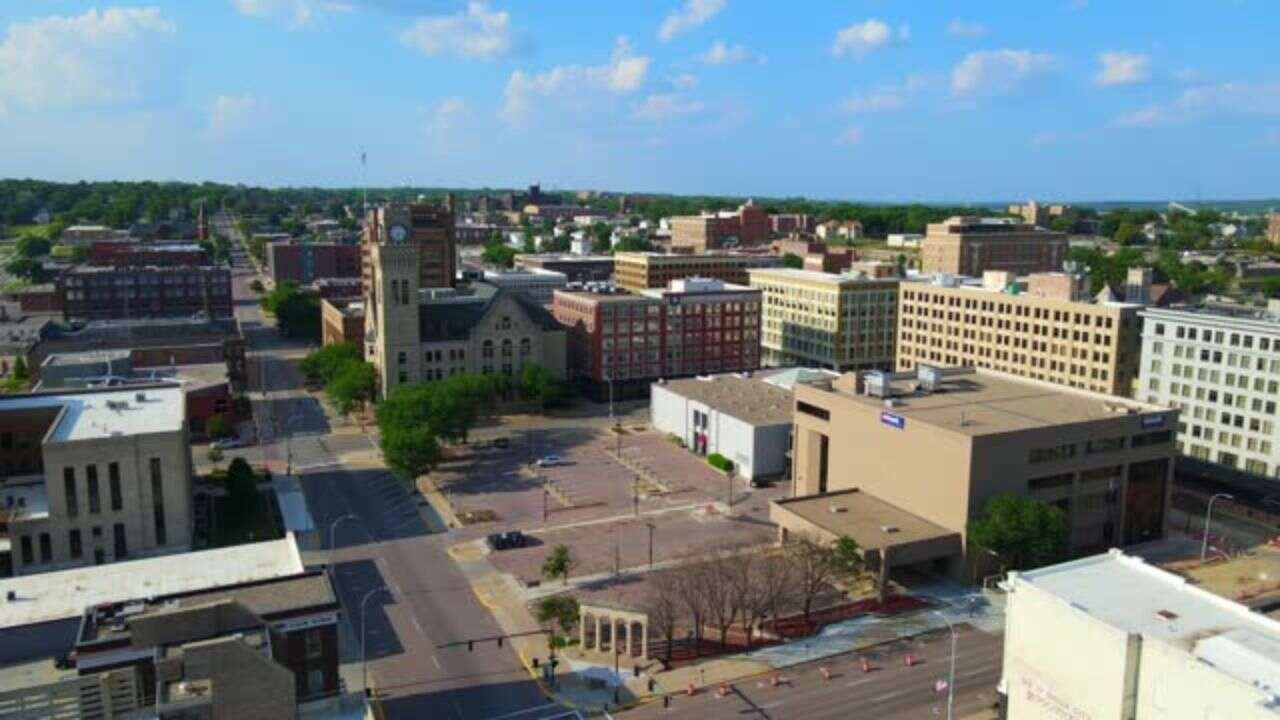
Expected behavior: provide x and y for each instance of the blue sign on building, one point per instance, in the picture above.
(894, 421)
(1150, 422)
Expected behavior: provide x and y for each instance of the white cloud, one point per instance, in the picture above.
(691, 15)
(861, 38)
(446, 117)
(992, 72)
(1122, 68)
(97, 58)
(885, 98)
(235, 113)
(623, 74)
(684, 81)
(851, 135)
(478, 33)
(722, 53)
(298, 13)
(661, 106)
(1239, 99)
(960, 27)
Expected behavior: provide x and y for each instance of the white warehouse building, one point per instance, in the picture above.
(1110, 636)
(745, 418)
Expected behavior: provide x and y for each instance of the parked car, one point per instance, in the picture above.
(227, 444)
(507, 540)
(550, 461)
(502, 443)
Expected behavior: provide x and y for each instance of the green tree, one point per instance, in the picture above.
(847, 557)
(352, 385)
(20, 371)
(256, 286)
(498, 254)
(1127, 234)
(32, 246)
(792, 260)
(216, 426)
(297, 312)
(322, 365)
(558, 564)
(558, 610)
(25, 267)
(409, 451)
(633, 243)
(1271, 287)
(242, 488)
(537, 384)
(1023, 532)
(601, 238)
(214, 455)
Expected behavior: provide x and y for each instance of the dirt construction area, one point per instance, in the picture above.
(615, 496)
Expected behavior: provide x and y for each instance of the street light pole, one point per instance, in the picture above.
(1208, 514)
(951, 679)
(364, 659)
(651, 528)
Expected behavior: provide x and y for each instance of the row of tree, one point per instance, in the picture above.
(297, 312)
(1109, 270)
(348, 380)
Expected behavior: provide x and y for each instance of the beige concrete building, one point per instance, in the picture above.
(967, 245)
(93, 477)
(1110, 636)
(840, 322)
(1273, 227)
(1040, 327)
(636, 271)
(938, 444)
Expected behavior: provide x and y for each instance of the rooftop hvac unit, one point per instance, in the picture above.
(888, 528)
(837, 509)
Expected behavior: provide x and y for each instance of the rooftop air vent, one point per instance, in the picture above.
(11, 596)
(889, 529)
(837, 509)
(140, 397)
(1167, 615)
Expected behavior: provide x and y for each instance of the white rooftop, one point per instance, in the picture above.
(1128, 594)
(95, 415)
(45, 597)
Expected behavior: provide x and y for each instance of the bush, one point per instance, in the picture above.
(720, 462)
(217, 428)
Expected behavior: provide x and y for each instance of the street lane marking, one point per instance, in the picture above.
(419, 627)
(434, 659)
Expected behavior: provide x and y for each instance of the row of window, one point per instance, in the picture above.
(75, 546)
(1066, 451)
(1219, 337)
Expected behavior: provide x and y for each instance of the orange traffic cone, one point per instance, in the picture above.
(910, 661)
(866, 666)
(723, 690)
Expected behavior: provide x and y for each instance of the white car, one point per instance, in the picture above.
(227, 444)
(550, 461)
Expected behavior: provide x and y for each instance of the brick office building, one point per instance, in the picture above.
(93, 293)
(636, 271)
(576, 268)
(966, 245)
(695, 326)
(748, 226)
(303, 262)
(126, 254)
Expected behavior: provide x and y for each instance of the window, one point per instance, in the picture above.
(121, 546)
(27, 556)
(1050, 482)
(1104, 445)
(1051, 454)
(1154, 438)
(315, 643)
(77, 549)
(815, 411)
(46, 548)
(69, 490)
(95, 499)
(157, 501)
(113, 487)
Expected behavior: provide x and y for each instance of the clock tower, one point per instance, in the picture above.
(392, 278)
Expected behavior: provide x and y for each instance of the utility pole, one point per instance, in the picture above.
(651, 529)
(635, 495)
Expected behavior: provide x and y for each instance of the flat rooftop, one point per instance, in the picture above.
(749, 399)
(986, 402)
(93, 415)
(816, 276)
(872, 523)
(45, 597)
(1130, 595)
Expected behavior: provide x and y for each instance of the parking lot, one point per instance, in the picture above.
(607, 511)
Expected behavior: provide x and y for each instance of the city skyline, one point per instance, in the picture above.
(874, 100)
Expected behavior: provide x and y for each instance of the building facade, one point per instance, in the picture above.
(1110, 636)
(748, 226)
(636, 271)
(965, 245)
(132, 254)
(696, 326)
(95, 293)
(1223, 373)
(304, 262)
(536, 284)
(576, 268)
(838, 322)
(341, 321)
(95, 476)
(427, 228)
(939, 443)
(999, 324)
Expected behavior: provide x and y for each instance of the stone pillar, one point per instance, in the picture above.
(644, 641)
(627, 647)
(582, 630)
(596, 644)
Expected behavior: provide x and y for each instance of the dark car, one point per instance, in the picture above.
(497, 541)
(507, 540)
(515, 538)
(502, 443)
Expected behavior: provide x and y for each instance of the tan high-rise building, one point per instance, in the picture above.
(904, 465)
(428, 227)
(817, 319)
(636, 271)
(966, 245)
(748, 226)
(1040, 329)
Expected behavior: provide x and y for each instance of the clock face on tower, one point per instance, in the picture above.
(399, 233)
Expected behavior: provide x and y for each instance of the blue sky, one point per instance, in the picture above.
(882, 100)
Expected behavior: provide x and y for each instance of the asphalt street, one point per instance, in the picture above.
(414, 596)
(889, 690)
